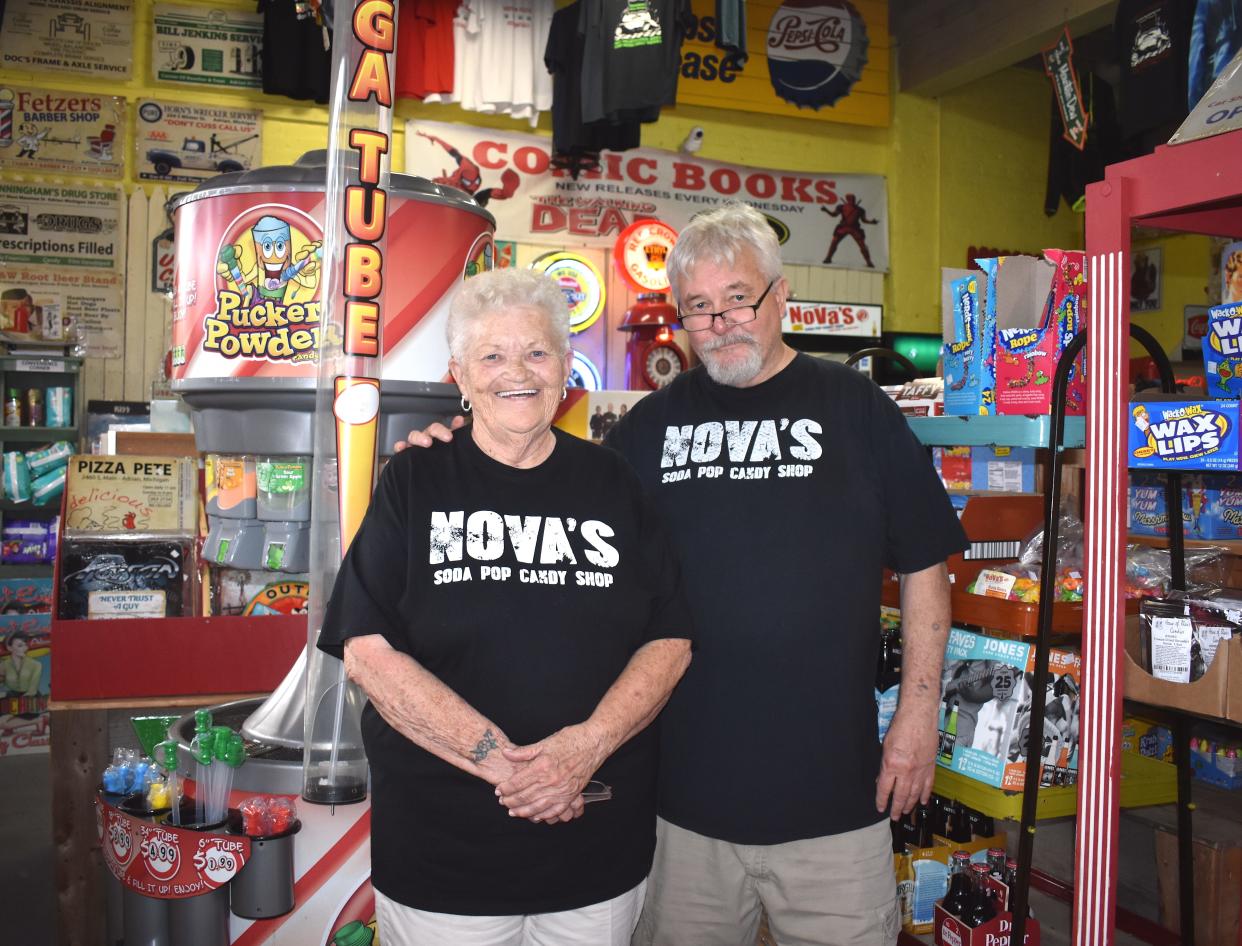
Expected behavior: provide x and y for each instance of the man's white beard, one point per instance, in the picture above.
(741, 365)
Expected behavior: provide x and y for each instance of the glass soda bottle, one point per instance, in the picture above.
(958, 897)
(996, 862)
(981, 907)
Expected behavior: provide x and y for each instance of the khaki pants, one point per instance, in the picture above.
(832, 891)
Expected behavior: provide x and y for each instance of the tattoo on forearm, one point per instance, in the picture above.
(484, 746)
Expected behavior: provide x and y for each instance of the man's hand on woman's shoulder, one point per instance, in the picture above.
(430, 434)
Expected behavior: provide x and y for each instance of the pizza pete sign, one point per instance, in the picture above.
(832, 318)
(838, 220)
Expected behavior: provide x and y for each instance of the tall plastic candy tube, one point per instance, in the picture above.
(334, 766)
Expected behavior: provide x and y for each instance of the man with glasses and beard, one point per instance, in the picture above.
(789, 484)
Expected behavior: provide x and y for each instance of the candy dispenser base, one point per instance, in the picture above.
(201, 920)
(264, 886)
(145, 920)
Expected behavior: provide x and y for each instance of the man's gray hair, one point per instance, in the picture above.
(500, 289)
(720, 236)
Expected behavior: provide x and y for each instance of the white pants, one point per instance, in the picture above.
(610, 923)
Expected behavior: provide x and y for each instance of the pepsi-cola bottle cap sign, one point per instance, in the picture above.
(816, 50)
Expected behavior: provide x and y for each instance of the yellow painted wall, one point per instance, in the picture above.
(1186, 264)
(994, 166)
(965, 169)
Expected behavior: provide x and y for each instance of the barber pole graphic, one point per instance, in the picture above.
(6, 117)
(1104, 608)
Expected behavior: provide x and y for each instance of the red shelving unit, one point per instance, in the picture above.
(156, 658)
(1194, 188)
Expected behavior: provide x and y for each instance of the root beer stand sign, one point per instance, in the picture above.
(166, 861)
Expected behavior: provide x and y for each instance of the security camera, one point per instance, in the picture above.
(694, 140)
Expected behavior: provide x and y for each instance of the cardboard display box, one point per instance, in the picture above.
(996, 469)
(1040, 307)
(1211, 505)
(1148, 738)
(950, 931)
(985, 711)
(1217, 693)
(1182, 434)
(923, 877)
(1222, 351)
(969, 324)
(1218, 887)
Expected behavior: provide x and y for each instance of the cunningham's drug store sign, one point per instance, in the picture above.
(1184, 435)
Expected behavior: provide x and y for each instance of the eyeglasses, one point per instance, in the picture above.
(596, 791)
(738, 315)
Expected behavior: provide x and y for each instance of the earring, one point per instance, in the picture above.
(564, 392)
(465, 405)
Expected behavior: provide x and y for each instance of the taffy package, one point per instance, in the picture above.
(1040, 307)
(1222, 351)
(1183, 435)
(969, 339)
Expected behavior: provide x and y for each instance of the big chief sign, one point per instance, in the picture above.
(838, 220)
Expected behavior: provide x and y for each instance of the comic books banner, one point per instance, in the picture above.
(838, 220)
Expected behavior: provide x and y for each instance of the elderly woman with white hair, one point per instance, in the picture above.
(514, 614)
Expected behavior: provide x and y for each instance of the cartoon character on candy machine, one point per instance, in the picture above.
(278, 263)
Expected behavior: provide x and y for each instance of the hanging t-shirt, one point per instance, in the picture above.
(424, 48)
(1215, 37)
(1153, 38)
(296, 61)
(1071, 170)
(466, 62)
(527, 592)
(731, 28)
(785, 501)
(575, 143)
(632, 57)
(513, 36)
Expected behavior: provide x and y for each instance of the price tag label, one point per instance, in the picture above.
(162, 857)
(218, 860)
(120, 841)
(40, 364)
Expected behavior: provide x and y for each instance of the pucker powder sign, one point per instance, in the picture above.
(267, 287)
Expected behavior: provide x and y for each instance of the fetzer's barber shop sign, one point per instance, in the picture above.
(838, 220)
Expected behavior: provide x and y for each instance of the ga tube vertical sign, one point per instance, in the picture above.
(347, 399)
(356, 394)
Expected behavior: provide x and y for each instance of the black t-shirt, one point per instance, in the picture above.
(785, 502)
(632, 57)
(571, 137)
(295, 61)
(1153, 47)
(1071, 170)
(526, 592)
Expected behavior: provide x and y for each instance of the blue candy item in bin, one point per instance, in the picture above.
(1183, 435)
(1222, 351)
